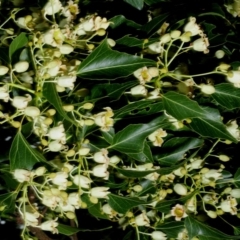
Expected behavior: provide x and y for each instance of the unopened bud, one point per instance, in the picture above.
(175, 34)
(219, 54)
(87, 106)
(16, 124)
(21, 66)
(101, 32)
(224, 158)
(68, 108)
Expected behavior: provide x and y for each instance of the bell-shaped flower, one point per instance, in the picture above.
(229, 205)
(233, 129)
(74, 199)
(156, 137)
(57, 133)
(139, 91)
(21, 102)
(99, 192)
(50, 225)
(32, 111)
(60, 179)
(55, 146)
(22, 175)
(4, 93)
(31, 219)
(201, 45)
(101, 157)
(211, 176)
(192, 27)
(82, 181)
(66, 81)
(178, 212)
(52, 7)
(104, 119)
(101, 171)
(142, 220)
(158, 235)
(3, 70)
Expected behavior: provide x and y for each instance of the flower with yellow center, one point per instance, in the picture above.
(178, 212)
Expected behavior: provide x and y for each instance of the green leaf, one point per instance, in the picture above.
(227, 95)
(171, 228)
(155, 24)
(22, 155)
(67, 230)
(131, 138)
(237, 178)
(211, 126)
(151, 2)
(174, 149)
(104, 63)
(50, 93)
(145, 107)
(123, 204)
(118, 20)
(196, 228)
(109, 135)
(7, 202)
(138, 4)
(19, 42)
(131, 42)
(181, 107)
(96, 211)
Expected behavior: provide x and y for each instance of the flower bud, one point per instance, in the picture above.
(224, 158)
(68, 108)
(233, 76)
(21, 102)
(99, 192)
(115, 159)
(165, 38)
(111, 42)
(21, 66)
(101, 32)
(235, 193)
(207, 89)
(180, 189)
(101, 171)
(139, 90)
(82, 181)
(219, 54)
(66, 49)
(186, 37)
(32, 111)
(137, 188)
(83, 151)
(40, 171)
(224, 67)
(212, 214)
(16, 124)
(158, 235)
(22, 175)
(175, 34)
(87, 106)
(3, 70)
(55, 146)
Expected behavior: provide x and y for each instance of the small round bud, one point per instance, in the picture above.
(70, 215)
(207, 89)
(93, 200)
(101, 32)
(21, 66)
(224, 158)
(175, 34)
(51, 112)
(87, 106)
(91, 46)
(137, 188)
(16, 124)
(83, 151)
(66, 49)
(219, 54)
(89, 122)
(212, 214)
(111, 42)
(68, 108)
(3, 70)
(48, 121)
(32, 111)
(186, 37)
(180, 189)
(70, 153)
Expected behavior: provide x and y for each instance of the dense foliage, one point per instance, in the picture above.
(121, 111)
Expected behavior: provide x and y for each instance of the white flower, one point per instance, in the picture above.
(22, 175)
(66, 207)
(156, 137)
(195, 164)
(142, 220)
(74, 200)
(158, 235)
(191, 205)
(53, 37)
(32, 111)
(50, 226)
(57, 133)
(156, 47)
(31, 219)
(152, 176)
(82, 181)
(139, 90)
(40, 171)
(100, 23)
(52, 7)
(55, 146)
(180, 189)
(101, 157)
(232, 128)
(211, 176)
(99, 192)
(22, 22)
(146, 74)
(3, 70)
(21, 66)
(229, 205)
(60, 179)
(66, 49)
(178, 212)
(108, 210)
(51, 198)
(207, 89)
(192, 27)
(183, 235)
(104, 119)
(4, 93)
(234, 76)
(66, 81)
(52, 67)
(235, 193)
(201, 45)
(101, 171)
(21, 102)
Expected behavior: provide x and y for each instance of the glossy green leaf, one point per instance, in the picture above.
(50, 93)
(237, 178)
(155, 24)
(109, 135)
(123, 204)
(211, 125)
(151, 2)
(67, 230)
(96, 211)
(118, 20)
(22, 155)
(171, 228)
(130, 42)
(19, 42)
(227, 95)
(174, 149)
(7, 202)
(104, 63)
(196, 228)
(181, 107)
(138, 4)
(131, 138)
